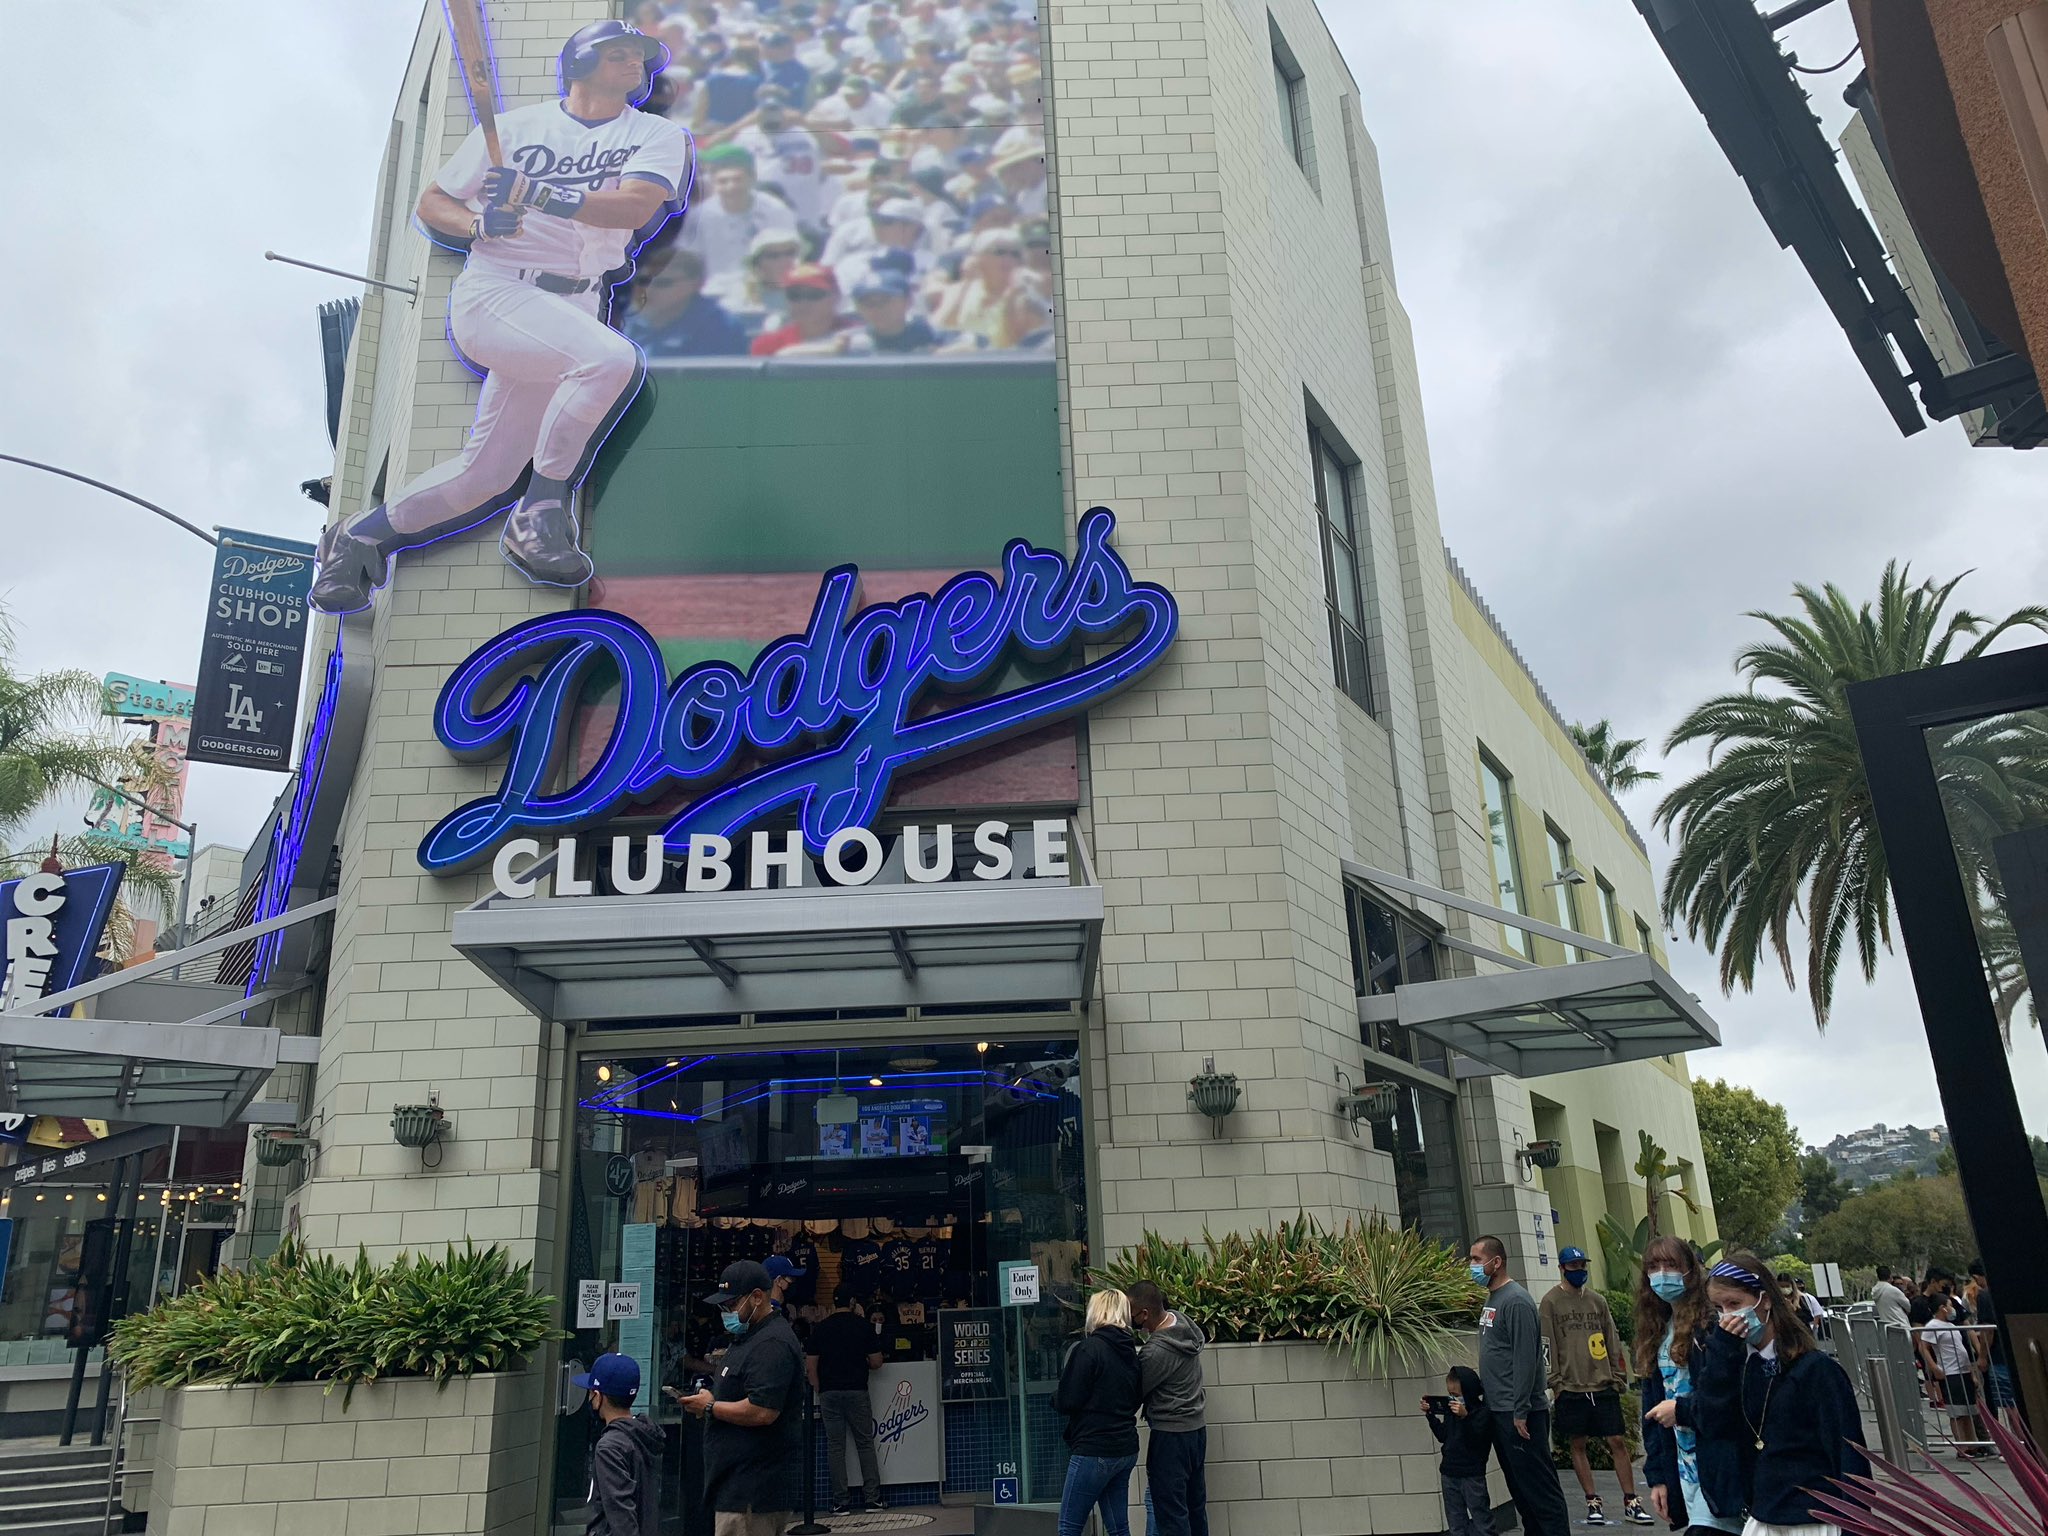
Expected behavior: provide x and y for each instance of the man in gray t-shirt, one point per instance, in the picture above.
(1511, 1372)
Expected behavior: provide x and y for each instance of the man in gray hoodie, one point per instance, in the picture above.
(1511, 1371)
(1170, 1378)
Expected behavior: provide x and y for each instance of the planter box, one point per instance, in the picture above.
(1302, 1445)
(408, 1458)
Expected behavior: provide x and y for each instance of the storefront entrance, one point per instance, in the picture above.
(930, 1186)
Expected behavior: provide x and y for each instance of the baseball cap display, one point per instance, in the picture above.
(616, 1376)
(740, 1279)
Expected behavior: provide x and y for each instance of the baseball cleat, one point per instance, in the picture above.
(540, 541)
(350, 569)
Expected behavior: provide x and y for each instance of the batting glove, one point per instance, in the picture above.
(504, 187)
(497, 223)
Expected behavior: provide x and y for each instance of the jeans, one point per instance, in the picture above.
(1093, 1481)
(1176, 1482)
(850, 1413)
(1468, 1509)
(1532, 1480)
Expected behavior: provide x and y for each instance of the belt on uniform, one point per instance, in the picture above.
(547, 282)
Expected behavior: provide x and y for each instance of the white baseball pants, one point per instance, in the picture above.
(555, 373)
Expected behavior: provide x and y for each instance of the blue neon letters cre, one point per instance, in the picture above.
(839, 695)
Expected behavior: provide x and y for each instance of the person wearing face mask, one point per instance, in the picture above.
(1695, 1480)
(624, 1463)
(1789, 1408)
(1588, 1374)
(1511, 1370)
(754, 1443)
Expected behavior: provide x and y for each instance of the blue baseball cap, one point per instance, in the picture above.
(1571, 1256)
(616, 1376)
(780, 1268)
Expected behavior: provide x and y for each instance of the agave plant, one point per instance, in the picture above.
(1899, 1504)
(302, 1317)
(1381, 1295)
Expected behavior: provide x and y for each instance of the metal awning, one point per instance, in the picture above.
(1529, 1020)
(675, 954)
(187, 1053)
(1555, 1018)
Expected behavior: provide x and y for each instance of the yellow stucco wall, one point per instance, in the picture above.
(1552, 785)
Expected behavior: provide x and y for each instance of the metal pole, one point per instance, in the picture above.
(185, 894)
(79, 1352)
(1784, 16)
(113, 490)
(163, 1226)
(117, 1294)
(411, 293)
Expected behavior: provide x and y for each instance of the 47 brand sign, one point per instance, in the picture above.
(822, 722)
(247, 703)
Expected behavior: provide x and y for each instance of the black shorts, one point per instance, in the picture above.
(1587, 1413)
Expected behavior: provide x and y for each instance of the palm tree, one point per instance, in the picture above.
(1779, 826)
(52, 744)
(1613, 757)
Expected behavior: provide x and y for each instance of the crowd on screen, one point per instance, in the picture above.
(870, 180)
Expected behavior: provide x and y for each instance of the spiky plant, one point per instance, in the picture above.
(1613, 757)
(1383, 1296)
(1896, 1503)
(302, 1317)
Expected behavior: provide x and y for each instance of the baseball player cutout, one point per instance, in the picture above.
(584, 176)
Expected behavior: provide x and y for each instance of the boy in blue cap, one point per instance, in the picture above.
(623, 1463)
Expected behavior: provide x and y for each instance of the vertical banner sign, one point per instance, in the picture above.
(246, 704)
(971, 1363)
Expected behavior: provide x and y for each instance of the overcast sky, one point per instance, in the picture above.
(1643, 420)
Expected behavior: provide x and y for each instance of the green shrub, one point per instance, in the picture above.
(295, 1317)
(1382, 1295)
(1789, 1266)
(1622, 1303)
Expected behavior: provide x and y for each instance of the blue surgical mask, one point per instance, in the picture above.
(1752, 1325)
(1478, 1274)
(734, 1323)
(1575, 1277)
(1667, 1284)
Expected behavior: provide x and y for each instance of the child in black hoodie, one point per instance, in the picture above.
(1464, 1426)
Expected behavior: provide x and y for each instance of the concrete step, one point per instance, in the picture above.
(32, 1458)
(79, 1487)
(68, 1517)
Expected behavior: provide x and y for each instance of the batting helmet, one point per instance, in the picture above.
(579, 54)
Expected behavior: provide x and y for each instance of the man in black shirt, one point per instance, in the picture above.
(754, 1443)
(842, 1352)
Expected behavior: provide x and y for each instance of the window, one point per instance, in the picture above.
(1343, 587)
(1388, 950)
(1290, 90)
(1643, 936)
(1610, 912)
(1507, 860)
(1566, 893)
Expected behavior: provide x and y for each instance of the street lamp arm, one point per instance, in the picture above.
(114, 490)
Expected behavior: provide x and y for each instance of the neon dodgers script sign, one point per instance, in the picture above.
(826, 714)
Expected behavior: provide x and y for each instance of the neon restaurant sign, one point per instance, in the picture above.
(824, 720)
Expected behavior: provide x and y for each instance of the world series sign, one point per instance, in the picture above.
(818, 727)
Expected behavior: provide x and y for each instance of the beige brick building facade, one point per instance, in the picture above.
(1226, 297)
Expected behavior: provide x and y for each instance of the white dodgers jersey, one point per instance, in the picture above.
(549, 145)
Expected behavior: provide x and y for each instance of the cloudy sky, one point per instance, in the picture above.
(1644, 422)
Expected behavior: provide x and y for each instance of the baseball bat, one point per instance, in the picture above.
(473, 60)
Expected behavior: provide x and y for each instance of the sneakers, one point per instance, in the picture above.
(350, 569)
(540, 541)
(1596, 1514)
(1634, 1513)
